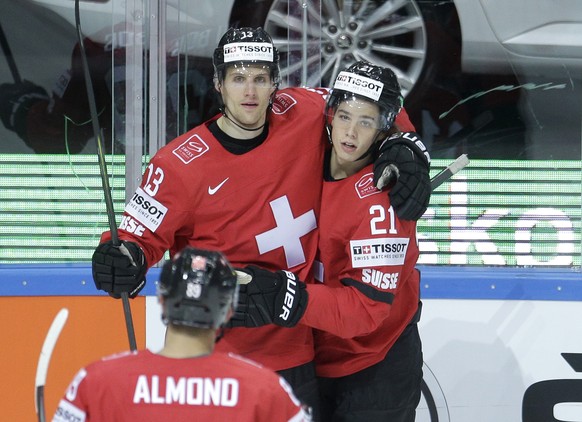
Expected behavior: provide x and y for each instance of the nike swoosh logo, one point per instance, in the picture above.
(212, 191)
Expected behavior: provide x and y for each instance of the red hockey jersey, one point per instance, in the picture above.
(257, 208)
(370, 255)
(143, 386)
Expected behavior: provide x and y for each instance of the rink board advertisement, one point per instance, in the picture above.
(493, 339)
(492, 213)
(488, 359)
(94, 328)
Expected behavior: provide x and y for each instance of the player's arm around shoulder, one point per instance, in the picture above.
(313, 98)
(403, 121)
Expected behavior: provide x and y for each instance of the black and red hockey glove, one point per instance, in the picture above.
(269, 297)
(118, 269)
(403, 166)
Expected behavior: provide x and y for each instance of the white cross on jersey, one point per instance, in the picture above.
(287, 233)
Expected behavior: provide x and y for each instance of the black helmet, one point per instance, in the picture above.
(199, 289)
(246, 45)
(373, 83)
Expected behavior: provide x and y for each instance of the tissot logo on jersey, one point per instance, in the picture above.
(358, 84)
(259, 51)
(146, 210)
(192, 391)
(365, 186)
(378, 252)
(379, 279)
(191, 148)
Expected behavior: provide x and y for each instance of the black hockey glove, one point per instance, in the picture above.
(403, 166)
(270, 297)
(118, 269)
(15, 101)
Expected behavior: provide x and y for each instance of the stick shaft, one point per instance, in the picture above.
(103, 171)
(39, 401)
(128, 321)
(97, 132)
(9, 57)
(460, 162)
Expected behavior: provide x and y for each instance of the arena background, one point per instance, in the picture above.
(501, 243)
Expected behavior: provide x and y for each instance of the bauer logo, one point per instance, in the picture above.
(378, 252)
(359, 85)
(191, 148)
(365, 186)
(146, 210)
(248, 51)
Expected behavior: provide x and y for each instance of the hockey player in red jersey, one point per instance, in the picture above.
(246, 182)
(186, 380)
(371, 368)
(368, 349)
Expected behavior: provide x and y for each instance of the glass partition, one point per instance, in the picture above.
(481, 78)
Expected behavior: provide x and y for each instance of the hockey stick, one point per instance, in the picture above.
(449, 171)
(44, 359)
(103, 171)
(9, 57)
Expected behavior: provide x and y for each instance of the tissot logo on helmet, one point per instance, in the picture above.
(360, 85)
(246, 45)
(248, 51)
